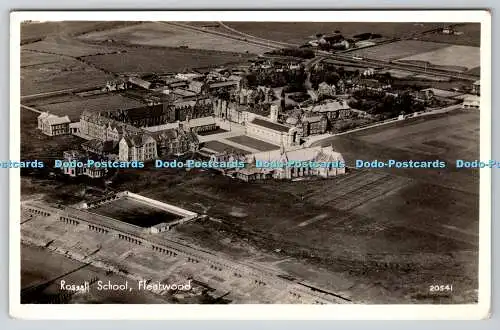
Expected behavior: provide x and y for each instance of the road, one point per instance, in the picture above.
(30, 108)
(270, 44)
(246, 35)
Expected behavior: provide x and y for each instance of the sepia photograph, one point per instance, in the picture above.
(246, 160)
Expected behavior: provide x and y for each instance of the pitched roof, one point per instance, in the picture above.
(55, 120)
(223, 83)
(137, 140)
(329, 107)
(320, 154)
(101, 146)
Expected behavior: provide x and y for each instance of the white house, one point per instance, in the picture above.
(53, 125)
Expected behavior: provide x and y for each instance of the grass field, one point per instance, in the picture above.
(160, 60)
(135, 212)
(397, 50)
(466, 57)
(100, 103)
(68, 47)
(67, 73)
(29, 58)
(34, 31)
(253, 143)
(300, 32)
(164, 35)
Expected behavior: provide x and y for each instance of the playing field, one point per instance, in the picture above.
(465, 57)
(135, 212)
(162, 34)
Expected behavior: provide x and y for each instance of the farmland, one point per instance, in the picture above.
(68, 47)
(29, 58)
(163, 60)
(397, 50)
(300, 32)
(160, 34)
(460, 58)
(67, 73)
(100, 103)
(36, 31)
(470, 35)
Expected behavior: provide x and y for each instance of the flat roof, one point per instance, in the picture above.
(270, 125)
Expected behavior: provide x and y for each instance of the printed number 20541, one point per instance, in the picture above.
(441, 288)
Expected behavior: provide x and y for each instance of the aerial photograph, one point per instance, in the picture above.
(241, 162)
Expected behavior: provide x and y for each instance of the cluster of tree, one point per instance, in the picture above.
(328, 76)
(380, 103)
(294, 52)
(385, 78)
(299, 97)
(293, 78)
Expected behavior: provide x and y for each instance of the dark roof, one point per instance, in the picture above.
(101, 146)
(270, 125)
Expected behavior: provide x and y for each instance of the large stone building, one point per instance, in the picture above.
(272, 132)
(159, 114)
(93, 125)
(134, 143)
(332, 109)
(74, 171)
(53, 125)
(139, 147)
(175, 141)
(327, 163)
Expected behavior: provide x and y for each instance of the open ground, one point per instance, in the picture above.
(37, 31)
(461, 58)
(166, 35)
(163, 60)
(66, 73)
(399, 49)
